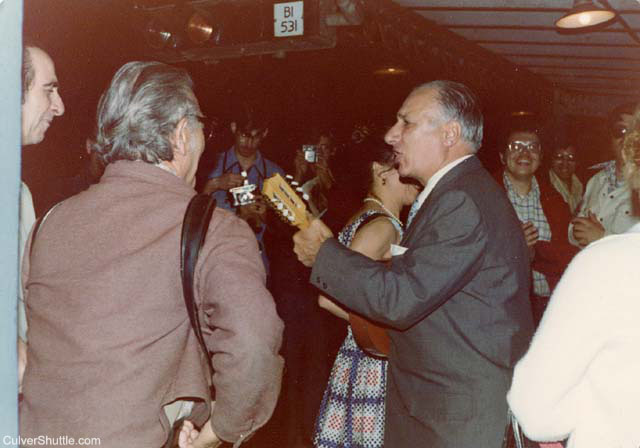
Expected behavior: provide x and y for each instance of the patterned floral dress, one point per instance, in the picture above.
(352, 410)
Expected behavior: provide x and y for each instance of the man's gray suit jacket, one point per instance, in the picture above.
(457, 305)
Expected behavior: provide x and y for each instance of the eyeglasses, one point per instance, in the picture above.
(565, 157)
(253, 135)
(618, 131)
(518, 147)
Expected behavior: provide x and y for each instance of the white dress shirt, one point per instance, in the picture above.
(433, 181)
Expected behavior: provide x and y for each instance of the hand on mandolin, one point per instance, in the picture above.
(307, 242)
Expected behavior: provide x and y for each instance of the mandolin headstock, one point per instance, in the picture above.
(284, 199)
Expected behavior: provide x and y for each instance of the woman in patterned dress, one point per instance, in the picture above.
(352, 409)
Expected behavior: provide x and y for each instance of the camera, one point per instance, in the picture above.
(309, 152)
(243, 195)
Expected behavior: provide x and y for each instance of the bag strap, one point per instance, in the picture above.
(194, 229)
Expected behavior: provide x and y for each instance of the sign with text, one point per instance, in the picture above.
(288, 19)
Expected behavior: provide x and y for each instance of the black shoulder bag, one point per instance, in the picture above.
(194, 229)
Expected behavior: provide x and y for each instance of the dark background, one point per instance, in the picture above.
(90, 39)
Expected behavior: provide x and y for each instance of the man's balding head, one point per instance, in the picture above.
(41, 101)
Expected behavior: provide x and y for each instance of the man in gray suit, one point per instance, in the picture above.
(456, 301)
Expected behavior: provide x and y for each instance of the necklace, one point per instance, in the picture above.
(376, 201)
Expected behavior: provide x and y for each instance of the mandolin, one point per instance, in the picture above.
(285, 200)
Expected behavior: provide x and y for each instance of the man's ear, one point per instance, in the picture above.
(233, 126)
(502, 158)
(265, 132)
(180, 137)
(452, 133)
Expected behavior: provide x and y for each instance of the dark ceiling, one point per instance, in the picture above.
(336, 87)
(602, 64)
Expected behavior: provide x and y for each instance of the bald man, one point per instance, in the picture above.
(41, 102)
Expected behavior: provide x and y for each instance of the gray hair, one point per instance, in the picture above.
(139, 111)
(459, 103)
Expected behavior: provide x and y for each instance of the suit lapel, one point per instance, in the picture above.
(458, 173)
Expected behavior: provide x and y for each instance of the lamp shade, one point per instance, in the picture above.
(584, 14)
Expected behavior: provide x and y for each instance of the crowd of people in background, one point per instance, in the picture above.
(455, 266)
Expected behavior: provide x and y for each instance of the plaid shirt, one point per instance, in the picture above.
(529, 208)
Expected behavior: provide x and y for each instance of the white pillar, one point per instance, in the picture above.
(10, 82)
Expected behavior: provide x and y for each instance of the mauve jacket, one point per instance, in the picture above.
(110, 341)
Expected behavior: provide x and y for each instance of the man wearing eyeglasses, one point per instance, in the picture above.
(112, 353)
(543, 213)
(244, 164)
(606, 208)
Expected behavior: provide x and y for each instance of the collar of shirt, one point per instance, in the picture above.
(231, 160)
(534, 193)
(433, 180)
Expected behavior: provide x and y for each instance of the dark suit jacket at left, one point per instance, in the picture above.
(457, 303)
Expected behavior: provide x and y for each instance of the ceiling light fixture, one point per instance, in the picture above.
(390, 70)
(585, 14)
(199, 27)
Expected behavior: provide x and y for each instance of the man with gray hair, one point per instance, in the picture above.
(455, 295)
(111, 347)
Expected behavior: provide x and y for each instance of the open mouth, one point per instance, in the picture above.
(397, 158)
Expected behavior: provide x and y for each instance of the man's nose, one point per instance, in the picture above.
(57, 106)
(392, 135)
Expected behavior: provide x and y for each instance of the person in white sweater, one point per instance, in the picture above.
(580, 377)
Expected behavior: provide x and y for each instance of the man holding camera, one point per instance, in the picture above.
(244, 165)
